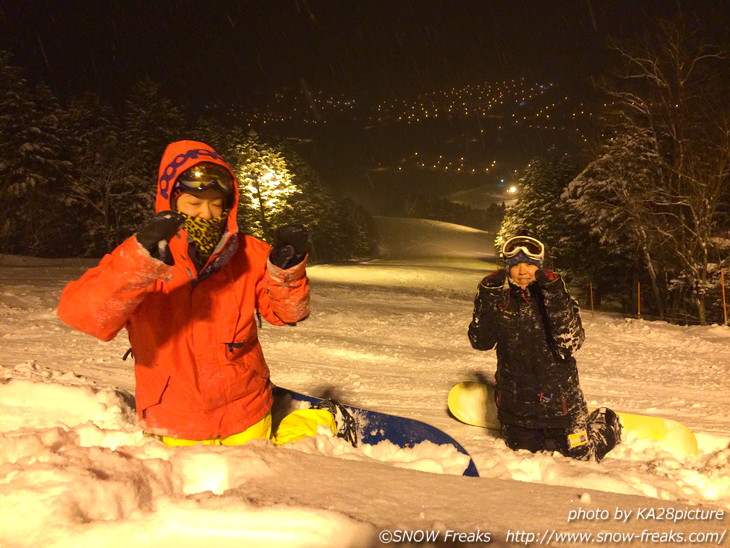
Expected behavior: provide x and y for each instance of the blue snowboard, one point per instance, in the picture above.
(400, 431)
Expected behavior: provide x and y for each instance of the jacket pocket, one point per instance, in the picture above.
(239, 372)
(153, 398)
(245, 354)
(234, 350)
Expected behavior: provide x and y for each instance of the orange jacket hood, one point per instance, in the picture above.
(178, 157)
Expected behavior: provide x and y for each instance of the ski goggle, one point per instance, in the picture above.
(531, 247)
(204, 176)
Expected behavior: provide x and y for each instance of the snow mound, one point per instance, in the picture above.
(73, 459)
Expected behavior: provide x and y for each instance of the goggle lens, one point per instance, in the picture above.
(204, 176)
(530, 246)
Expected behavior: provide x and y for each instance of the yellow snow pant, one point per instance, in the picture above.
(295, 426)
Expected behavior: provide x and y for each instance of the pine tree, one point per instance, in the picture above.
(615, 198)
(32, 162)
(356, 235)
(149, 123)
(98, 192)
(539, 208)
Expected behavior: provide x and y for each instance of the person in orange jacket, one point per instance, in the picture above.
(186, 287)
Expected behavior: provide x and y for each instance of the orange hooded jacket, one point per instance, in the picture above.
(200, 371)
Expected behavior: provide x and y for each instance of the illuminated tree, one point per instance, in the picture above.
(266, 186)
(277, 187)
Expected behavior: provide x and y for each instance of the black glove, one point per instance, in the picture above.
(541, 278)
(495, 279)
(290, 246)
(163, 226)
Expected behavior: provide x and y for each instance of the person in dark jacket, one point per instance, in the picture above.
(528, 314)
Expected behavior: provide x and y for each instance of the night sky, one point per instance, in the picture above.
(228, 51)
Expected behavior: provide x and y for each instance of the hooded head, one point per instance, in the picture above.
(175, 172)
(195, 169)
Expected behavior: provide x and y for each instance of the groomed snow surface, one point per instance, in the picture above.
(388, 335)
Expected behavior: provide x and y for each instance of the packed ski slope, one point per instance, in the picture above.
(388, 335)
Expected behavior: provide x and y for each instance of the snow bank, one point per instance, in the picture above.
(75, 470)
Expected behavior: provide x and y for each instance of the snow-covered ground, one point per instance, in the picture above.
(386, 335)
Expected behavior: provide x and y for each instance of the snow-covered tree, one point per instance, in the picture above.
(662, 180)
(99, 191)
(115, 160)
(539, 209)
(34, 169)
(149, 122)
(618, 202)
(278, 187)
(339, 229)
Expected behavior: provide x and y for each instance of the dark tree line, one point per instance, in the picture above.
(77, 179)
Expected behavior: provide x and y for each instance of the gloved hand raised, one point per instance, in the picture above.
(543, 279)
(163, 226)
(290, 246)
(496, 279)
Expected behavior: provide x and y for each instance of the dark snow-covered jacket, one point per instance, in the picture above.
(536, 331)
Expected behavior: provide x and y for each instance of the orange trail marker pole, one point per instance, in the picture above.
(590, 289)
(724, 298)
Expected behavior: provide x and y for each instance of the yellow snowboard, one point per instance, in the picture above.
(473, 403)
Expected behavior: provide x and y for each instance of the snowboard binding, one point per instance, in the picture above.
(346, 423)
(605, 431)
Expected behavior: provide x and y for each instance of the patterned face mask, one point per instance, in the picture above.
(205, 233)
